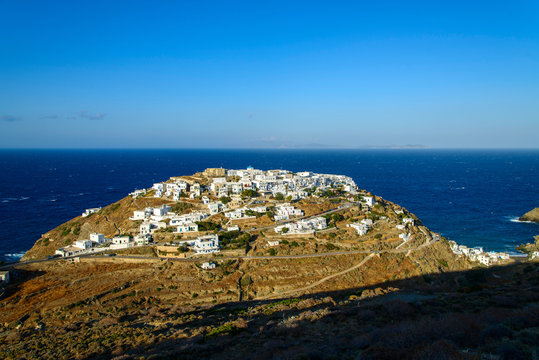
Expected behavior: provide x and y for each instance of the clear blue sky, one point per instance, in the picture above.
(269, 73)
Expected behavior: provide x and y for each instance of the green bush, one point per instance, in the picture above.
(225, 199)
(249, 193)
(207, 226)
(443, 262)
(223, 329)
(330, 247)
(181, 206)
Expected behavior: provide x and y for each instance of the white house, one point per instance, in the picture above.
(408, 220)
(405, 236)
(369, 200)
(119, 240)
(97, 238)
(274, 242)
(207, 244)
(285, 211)
(139, 215)
(400, 226)
(215, 207)
(205, 200)
(189, 227)
(361, 229)
(143, 240)
(195, 190)
(208, 265)
(304, 226)
(83, 244)
(161, 211)
(91, 211)
(68, 251)
(138, 193)
(233, 228)
(159, 189)
(187, 218)
(203, 244)
(145, 228)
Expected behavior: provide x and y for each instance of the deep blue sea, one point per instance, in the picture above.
(470, 196)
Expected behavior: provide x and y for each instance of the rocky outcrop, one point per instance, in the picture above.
(531, 216)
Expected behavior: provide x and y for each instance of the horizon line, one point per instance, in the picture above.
(273, 148)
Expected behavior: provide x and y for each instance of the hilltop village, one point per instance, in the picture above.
(217, 263)
(219, 210)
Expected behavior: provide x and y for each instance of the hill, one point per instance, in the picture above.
(392, 290)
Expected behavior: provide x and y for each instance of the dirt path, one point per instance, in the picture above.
(285, 293)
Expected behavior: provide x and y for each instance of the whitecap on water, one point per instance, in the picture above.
(516, 220)
(14, 256)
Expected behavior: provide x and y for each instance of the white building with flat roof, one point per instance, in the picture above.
(90, 211)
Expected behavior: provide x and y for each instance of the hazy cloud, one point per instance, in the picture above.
(9, 118)
(86, 115)
(51, 117)
(250, 115)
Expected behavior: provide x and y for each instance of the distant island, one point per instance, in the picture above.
(223, 261)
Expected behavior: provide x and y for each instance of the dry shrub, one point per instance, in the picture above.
(505, 301)
(495, 333)
(241, 324)
(108, 321)
(398, 309)
(438, 350)
(307, 303)
(13, 336)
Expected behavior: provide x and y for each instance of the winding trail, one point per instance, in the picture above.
(285, 293)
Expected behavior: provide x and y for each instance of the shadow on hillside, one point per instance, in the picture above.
(483, 313)
(17, 278)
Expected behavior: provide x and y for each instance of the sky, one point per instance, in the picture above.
(293, 74)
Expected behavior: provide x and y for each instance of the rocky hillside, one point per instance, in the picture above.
(329, 294)
(110, 221)
(532, 215)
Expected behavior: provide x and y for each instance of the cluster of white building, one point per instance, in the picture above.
(285, 211)
(206, 244)
(90, 211)
(305, 226)
(268, 182)
(99, 243)
(284, 182)
(245, 213)
(155, 218)
(138, 192)
(176, 189)
(362, 227)
(477, 254)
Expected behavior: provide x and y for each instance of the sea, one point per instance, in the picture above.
(473, 197)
